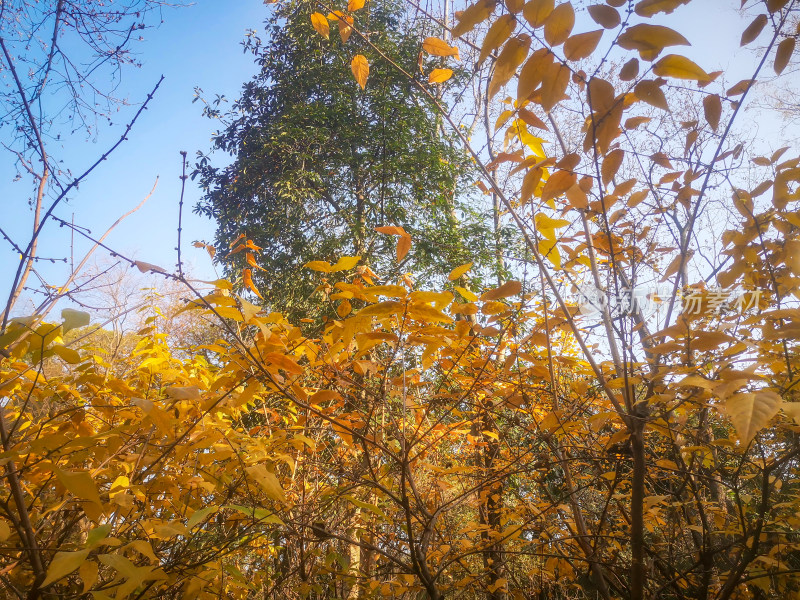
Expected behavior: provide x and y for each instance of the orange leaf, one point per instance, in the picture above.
(403, 246)
(509, 288)
(247, 278)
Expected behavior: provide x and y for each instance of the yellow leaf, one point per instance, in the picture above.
(79, 484)
(382, 309)
(390, 291)
(88, 573)
(360, 68)
(648, 8)
(537, 11)
(650, 40)
(354, 5)
(582, 45)
(472, 15)
(498, 33)
(345, 263)
(422, 312)
(440, 75)
(468, 295)
(119, 486)
(549, 249)
(783, 54)
(189, 392)
(751, 411)
(320, 23)
(559, 24)
(754, 29)
(511, 57)
(5, 531)
(547, 226)
(793, 410)
(605, 16)
(459, 271)
(345, 28)
(247, 279)
(509, 288)
(268, 481)
(679, 67)
(318, 265)
(403, 246)
(67, 354)
(436, 47)
(63, 564)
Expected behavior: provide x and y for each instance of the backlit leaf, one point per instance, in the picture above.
(679, 67)
(649, 91)
(648, 8)
(247, 279)
(472, 15)
(345, 263)
(459, 271)
(403, 246)
(498, 33)
(582, 45)
(611, 164)
(604, 15)
(559, 24)
(537, 11)
(511, 57)
(360, 68)
(650, 40)
(318, 265)
(440, 75)
(320, 23)
(509, 288)
(751, 411)
(80, 484)
(436, 47)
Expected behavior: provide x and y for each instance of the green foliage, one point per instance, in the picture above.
(321, 163)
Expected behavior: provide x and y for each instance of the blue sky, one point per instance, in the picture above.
(198, 45)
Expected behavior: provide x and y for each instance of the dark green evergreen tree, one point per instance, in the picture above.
(319, 162)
